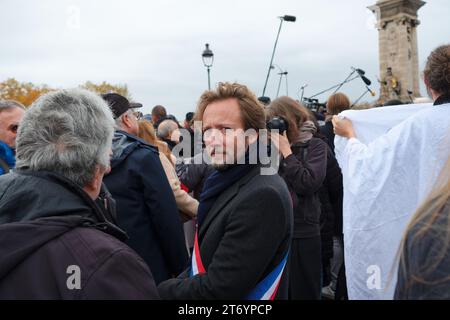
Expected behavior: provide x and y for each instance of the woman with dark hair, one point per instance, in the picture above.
(303, 167)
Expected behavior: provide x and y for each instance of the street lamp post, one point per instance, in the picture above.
(281, 74)
(283, 18)
(208, 59)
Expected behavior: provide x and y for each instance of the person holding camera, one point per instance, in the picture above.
(303, 167)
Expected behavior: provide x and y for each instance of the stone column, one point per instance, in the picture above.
(397, 26)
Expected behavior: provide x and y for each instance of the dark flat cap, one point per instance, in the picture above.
(119, 104)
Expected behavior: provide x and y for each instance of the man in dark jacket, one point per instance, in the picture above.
(58, 239)
(159, 113)
(244, 217)
(11, 112)
(146, 207)
(336, 103)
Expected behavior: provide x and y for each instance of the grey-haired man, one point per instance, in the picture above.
(57, 239)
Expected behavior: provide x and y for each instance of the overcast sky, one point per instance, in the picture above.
(155, 46)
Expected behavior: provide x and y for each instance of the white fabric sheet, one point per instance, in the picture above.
(387, 171)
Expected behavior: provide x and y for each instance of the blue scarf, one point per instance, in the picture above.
(216, 184)
(7, 154)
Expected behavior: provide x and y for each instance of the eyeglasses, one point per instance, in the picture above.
(137, 114)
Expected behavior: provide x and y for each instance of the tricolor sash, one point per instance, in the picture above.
(266, 289)
(196, 264)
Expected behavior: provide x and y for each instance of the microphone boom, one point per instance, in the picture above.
(289, 18)
(366, 81)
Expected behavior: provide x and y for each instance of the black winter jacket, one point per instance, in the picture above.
(146, 207)
(49, 227)
(244, 236)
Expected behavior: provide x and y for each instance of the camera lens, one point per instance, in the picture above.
(277, 123)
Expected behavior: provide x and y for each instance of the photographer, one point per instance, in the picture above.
(303, 167)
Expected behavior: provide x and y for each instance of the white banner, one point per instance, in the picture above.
(388, 171)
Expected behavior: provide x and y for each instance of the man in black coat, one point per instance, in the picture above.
(146, 207)
(11, 112)
(58, 239)
(244, 217)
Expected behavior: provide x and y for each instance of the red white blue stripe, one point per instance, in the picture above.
(266, 289)
(196, 264)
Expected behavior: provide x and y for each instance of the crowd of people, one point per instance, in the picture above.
(98, 201)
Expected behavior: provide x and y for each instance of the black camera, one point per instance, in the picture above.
(278, 123)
